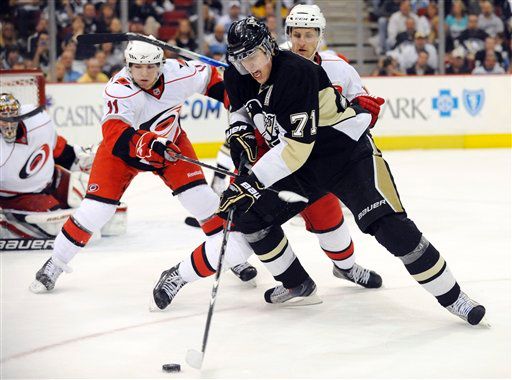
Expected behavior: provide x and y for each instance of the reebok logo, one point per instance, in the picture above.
(193, 174)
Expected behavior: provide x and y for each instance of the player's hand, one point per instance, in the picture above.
(152, 148)
(371, 104)
(242, 141)
(84, 157)
(243, 193)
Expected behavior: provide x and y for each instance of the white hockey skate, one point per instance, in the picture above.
(359, 275)
(47, 276)
(469, 310)
(166, 288)
(303, 294)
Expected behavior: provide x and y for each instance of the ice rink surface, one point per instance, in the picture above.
(96, 323)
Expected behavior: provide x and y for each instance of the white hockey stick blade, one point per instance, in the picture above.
(291, 197)
(194, 358)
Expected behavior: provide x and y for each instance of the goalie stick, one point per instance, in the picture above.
(99, 38)
(33, 244)
(14, 119)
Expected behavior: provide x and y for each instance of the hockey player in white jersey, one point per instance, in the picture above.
(140, 125)
(42, 176)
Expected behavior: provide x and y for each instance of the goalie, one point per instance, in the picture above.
(42, 176)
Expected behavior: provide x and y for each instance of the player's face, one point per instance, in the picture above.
(145, 75)
(304, 41)
(259, 65)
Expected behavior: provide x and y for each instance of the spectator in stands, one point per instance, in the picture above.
(12, 56)
(261, 9)
(41, 27)
(185, 37)
(421, 66)
(408, 55)
(64, 12)
(473, 37)
(105, 18)
(114, 56)
(234, 14)
(101, 57)
(209, 19)
(215, 6)
(271, 22)
(387, 67)
(93, 73)
(115, 26)
(83, 51)
(457, 20)
(41, 56)
(407, 36)
(9, 36)
(89, 18)
(136, 25)
(488, 21)
(19, 66)
(114, 70)
(66, 58)
(384, 11)
(216, 43)
(458, 64)
(433, 37)
(396, 22)
(489, 47)
(143, 9)
(490, 65)
(60, 72)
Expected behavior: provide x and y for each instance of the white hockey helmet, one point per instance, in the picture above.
(143, 53)
(305, 16)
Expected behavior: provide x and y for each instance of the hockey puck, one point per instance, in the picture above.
(172, 367)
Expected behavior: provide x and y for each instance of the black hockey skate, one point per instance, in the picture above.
(303, 294)
(47, 276)
(468, 310)
(245, 272)
(359, 275)
(167, 287)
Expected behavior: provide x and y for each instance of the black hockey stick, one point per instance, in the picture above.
(14, 119)
(287, 196)
(32, 244)
(100, 38)
(195, 358)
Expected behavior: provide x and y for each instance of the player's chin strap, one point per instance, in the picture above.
(287, 196)
(14, 119)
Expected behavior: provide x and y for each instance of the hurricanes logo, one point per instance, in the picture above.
(93, 187)
(164, 126)
(35, 162)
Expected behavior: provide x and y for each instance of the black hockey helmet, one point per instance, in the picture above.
(244, 37)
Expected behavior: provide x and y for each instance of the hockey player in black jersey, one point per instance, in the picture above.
(319, 143)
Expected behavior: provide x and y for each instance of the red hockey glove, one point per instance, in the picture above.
(152, 148)
(371, 104)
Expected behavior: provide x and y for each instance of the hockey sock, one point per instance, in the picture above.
(274, 251)
(338, 246)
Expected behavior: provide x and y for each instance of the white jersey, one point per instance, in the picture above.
(342, 75)
(155, 110)
(26, 166)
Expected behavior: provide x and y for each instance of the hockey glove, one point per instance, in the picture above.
(152, 148)
(371, 104)
(243, 193)
(84, 157)
(242, 141)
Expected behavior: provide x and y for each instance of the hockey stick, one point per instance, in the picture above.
(34, 244)
(195, 358)
(285, 195)
(99, 38)
(14, 119)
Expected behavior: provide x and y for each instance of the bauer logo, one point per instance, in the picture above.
(25, 244)
(93, 187)
(473, 101)
(372, 207)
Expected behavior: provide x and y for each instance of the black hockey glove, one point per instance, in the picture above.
(241, 140)
(243, 193)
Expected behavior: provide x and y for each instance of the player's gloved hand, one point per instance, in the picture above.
(84, 157)
(243, 193)
(241, 140)
(153, 148)
(371, 104)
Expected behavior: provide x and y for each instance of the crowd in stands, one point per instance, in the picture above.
(477, 37)
(477, 33)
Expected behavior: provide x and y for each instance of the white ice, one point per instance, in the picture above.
(96, 323)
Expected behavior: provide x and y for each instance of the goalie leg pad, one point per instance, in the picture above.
(77, 188)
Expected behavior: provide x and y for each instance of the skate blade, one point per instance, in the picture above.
(194, 358)
(484, 323)
(301, 301)
(251, 283)
(37, 287)
(152, 306)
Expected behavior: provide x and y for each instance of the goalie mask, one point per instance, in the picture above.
(247, 39)
(143, 53)
(9, 106)
(306, 16)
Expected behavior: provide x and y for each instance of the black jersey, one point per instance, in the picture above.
(290, 110)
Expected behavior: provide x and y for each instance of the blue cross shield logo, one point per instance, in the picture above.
(473, 101)
(445, 103)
